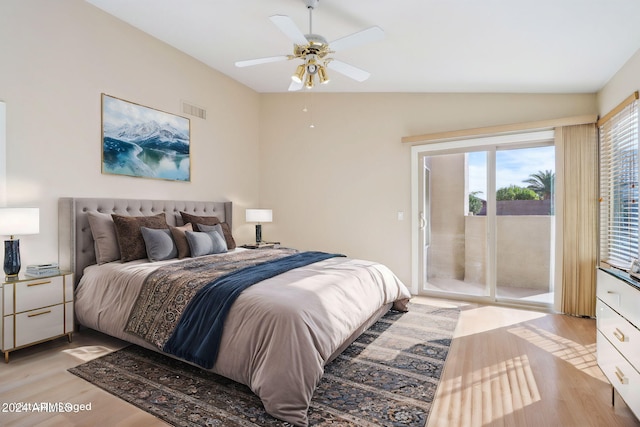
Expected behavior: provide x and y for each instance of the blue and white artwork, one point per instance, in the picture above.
(144, 142)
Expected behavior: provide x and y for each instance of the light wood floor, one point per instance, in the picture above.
(507, 367)
(510, 367)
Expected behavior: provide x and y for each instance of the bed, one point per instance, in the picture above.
(277, 335)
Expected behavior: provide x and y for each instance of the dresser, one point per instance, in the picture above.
(618, 336)
(35, 310)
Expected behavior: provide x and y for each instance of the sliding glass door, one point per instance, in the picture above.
(486, 222)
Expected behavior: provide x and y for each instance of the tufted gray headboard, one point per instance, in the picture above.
(75, 242)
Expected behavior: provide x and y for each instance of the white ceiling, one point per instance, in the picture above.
(530, 46)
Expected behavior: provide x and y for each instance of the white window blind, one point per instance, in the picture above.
(619, 226)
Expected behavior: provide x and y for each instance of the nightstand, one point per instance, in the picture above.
(263, 245)
(34, 310)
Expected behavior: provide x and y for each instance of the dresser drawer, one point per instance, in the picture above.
(622, 334)
(620, 373)
(38, 325)
(619, 295)
(39, 293)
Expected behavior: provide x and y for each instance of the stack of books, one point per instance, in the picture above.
(40, 270)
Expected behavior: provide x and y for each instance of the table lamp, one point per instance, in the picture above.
(16, 221)
(259, 216)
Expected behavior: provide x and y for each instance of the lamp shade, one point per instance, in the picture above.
(19, 221)
(259, 215)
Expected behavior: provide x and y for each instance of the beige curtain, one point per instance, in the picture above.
(578, 159)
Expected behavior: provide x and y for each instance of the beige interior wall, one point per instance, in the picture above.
(57, 58)
(622, 84)
(340, 185)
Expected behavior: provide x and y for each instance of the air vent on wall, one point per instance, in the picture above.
(193, 110)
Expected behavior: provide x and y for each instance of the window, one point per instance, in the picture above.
(619, 226)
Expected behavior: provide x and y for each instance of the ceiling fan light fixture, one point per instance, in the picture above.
(309, 83)
(299, 74)
(315, 51)
(322, 75)
(312, 66)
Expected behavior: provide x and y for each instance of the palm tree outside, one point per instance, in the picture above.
(542, 183)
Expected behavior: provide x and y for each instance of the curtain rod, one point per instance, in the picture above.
(617, 109)
(501, 129)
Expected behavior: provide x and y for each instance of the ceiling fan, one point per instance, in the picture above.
(315, 51)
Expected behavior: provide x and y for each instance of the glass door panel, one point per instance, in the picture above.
(456, 256)
(525, 224)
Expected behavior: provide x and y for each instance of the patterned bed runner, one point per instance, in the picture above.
(167, 291)
(188, 320)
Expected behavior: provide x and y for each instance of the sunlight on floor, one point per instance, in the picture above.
(581, 357)
(491, 392)
(88, 352)
(487, 318)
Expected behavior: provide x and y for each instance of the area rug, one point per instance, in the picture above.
(387, 377)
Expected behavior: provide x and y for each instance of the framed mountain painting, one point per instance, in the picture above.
(144, 142)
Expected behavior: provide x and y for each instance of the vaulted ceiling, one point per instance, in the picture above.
(521, 46)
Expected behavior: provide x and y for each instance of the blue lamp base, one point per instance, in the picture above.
(11, 257)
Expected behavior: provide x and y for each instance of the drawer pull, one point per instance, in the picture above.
(621, 377)
(616, 295)
(46, 282)
(620, 335)
(39, 314)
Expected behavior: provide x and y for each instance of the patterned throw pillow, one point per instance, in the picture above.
(130, 240)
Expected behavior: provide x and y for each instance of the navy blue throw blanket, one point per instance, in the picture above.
(197, 335)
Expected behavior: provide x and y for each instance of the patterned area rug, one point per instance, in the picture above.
(387, 377)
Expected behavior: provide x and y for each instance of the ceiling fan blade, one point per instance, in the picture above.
(349, 70)
(289, 28)
(371, 34)
(257, 61)
(295, 86)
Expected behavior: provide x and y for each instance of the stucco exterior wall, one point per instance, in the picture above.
(524, 250)
(447, 249)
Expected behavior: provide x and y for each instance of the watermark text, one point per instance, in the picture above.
(30, 407)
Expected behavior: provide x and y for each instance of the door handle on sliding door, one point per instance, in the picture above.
(423, 221)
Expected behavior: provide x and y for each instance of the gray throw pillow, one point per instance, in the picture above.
(205, 243)
(217, 228)
(159, 244)
(210, 220)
